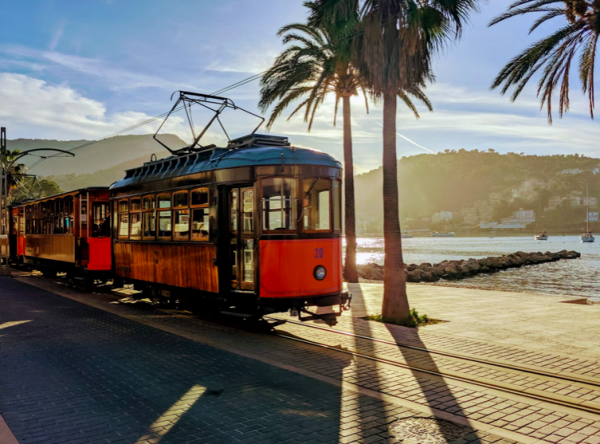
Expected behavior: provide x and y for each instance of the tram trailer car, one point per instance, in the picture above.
(256, 226)
(68, 232)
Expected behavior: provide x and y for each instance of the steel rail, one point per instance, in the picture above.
(441, 374)
(450, 355)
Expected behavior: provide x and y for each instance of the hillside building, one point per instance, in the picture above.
(485, 214)
(575, 201)
(571, 171)
(591, 201)
(495, 199)
(592, 217)
(554, 202)
(470, 216)
(442, 215)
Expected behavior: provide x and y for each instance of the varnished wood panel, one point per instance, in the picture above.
(184, 265)
(54, 247)
(3, 245)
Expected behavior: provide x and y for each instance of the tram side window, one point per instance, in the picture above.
(135, 219)
(181, 216)
(123, 219)
(279, 204)
(200, 214)
(248, 211)
(316, 204)
(165, 229)
(68, 215)
(337, 205)
(149, 217)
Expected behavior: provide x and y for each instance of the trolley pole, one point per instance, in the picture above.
(4, 213)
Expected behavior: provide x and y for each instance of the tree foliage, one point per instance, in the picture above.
(554, 56)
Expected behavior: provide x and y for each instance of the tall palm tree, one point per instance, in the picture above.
(555, 53)
(393, 53)
(315, 66)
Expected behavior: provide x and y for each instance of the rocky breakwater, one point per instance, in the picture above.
(461, 269)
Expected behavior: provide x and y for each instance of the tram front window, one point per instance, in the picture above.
(316, 205)
(279, 204)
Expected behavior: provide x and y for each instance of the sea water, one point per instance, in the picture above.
(576, 277)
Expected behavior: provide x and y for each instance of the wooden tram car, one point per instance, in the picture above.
(256, 225)
(69, 232)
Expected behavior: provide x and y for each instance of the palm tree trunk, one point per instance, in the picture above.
(350, 273)
(395, 302)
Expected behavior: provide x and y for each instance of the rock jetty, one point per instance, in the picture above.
(453, 270)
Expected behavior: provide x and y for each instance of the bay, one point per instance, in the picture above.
(577, 277)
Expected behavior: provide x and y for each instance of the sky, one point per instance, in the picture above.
(84, 70)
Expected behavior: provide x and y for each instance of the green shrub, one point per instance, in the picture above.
(414, 320)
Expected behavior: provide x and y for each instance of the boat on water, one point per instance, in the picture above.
(587, 236)
(438, 234)
(444, 233)
(406, 236)
(542, 235)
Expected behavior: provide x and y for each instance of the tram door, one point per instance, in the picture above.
(242, 219)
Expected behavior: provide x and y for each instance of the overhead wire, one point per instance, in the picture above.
(150, 120)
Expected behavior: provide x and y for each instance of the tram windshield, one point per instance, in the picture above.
(279, 207)
(317, 204)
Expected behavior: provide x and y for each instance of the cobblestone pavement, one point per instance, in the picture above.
(72, 373)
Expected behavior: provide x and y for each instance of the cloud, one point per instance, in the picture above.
(32, 108)
(57, 36)
(117, 78)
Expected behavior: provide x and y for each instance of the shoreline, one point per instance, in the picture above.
(450, 284)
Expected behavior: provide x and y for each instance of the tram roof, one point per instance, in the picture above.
(224, 158)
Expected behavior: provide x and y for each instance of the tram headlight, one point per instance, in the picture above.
(320, 272)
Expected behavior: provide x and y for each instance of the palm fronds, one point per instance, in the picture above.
(552, 57)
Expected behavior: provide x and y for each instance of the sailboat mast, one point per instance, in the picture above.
(587, 207)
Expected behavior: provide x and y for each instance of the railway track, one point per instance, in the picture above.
(578, 405)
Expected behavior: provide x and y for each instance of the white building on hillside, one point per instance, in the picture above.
(442, 215)
(593, 217)
(554, 202)
(591, 201)
(525, 216)
(575, 201)
(572, 171)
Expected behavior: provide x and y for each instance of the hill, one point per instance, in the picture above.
(99, 156)
(453, 181)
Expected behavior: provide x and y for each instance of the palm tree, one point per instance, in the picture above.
(393, 53)
(555, 53)
(13, 170)
(315, 66)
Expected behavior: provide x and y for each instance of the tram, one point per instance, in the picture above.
(256, 224)
(68, 232)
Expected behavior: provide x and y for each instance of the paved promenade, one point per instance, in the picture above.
(527, 320)
(79, 366)
(73, 373)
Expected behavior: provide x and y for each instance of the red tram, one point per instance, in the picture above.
(69, 232)
(256, 225)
